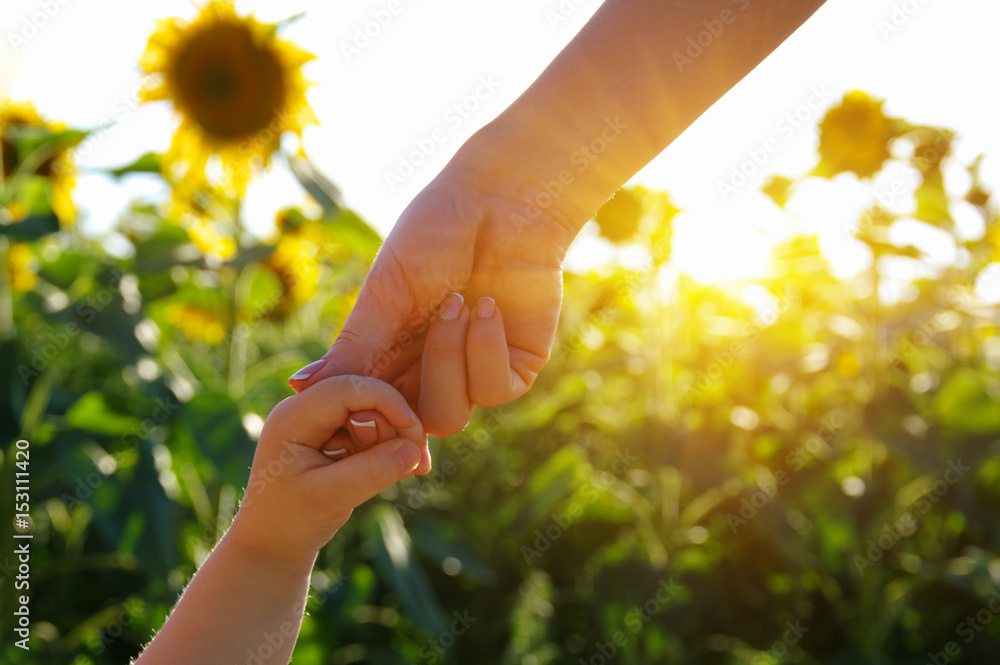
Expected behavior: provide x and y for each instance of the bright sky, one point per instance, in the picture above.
(75, 59)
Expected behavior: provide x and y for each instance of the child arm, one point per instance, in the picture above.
(246, 602)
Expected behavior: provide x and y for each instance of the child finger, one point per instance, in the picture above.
(353, 481)
(313, 416)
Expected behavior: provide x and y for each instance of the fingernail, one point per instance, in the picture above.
(487, 308)
(410, 412)
(452, 307)
(425, 462)
(409, 455)
(367, 432)
(338, 454)
(308, 370)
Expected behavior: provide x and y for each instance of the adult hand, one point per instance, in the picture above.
(468, 236)
(615, 97)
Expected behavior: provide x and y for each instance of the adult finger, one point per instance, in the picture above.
(374, 339)
(444, 399)
(339, 446)
(526, 283)
(408, 383)
(491, 379)
(368, 427)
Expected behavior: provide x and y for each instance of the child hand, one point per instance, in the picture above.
(298, 496)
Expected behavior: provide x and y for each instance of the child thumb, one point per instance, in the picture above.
(362, 476)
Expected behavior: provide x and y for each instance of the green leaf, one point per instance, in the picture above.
(34, 195)
(284, 23)
(360, 238)
(396, 564)
(92, 413)
(29, 139)
(555, 481)
(437, 539)
(319, 187)
(215, 425)
(965, 405)
(258, 290)
(215, 422)
(64, 269)
(932, 204)
(31, 227)
(150, 162)
(156, 250)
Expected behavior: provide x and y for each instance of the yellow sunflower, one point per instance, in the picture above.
(20, 267)
(298, 258)
(198, 210)
(56, 167)
(236, 87)
(855, 137)
(199, 324)
(619, 218)
(993, 237)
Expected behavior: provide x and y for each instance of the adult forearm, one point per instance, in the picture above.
(238, 608)
(637, 75)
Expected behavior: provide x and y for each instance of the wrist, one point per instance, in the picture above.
(521, 164)
(239, 544)
(535, 212)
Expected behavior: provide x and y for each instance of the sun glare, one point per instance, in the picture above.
(714, 249)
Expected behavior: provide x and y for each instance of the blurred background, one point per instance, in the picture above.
(770, 429)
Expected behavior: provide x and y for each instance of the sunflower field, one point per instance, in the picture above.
(791, 469)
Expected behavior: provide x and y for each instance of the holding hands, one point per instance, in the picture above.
(461, 305)
(299, 494)
(459, 309)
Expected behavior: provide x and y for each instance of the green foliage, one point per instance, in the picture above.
(812, 479)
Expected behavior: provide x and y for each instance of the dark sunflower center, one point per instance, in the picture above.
(227, 82)
(219, 82)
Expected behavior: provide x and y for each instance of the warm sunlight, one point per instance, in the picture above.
(747, 415)
(715, 249)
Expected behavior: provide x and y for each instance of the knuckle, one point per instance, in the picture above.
(443, 350)
(279, 412)
(346, 338)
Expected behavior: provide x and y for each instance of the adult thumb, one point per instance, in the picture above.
(353, 481)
